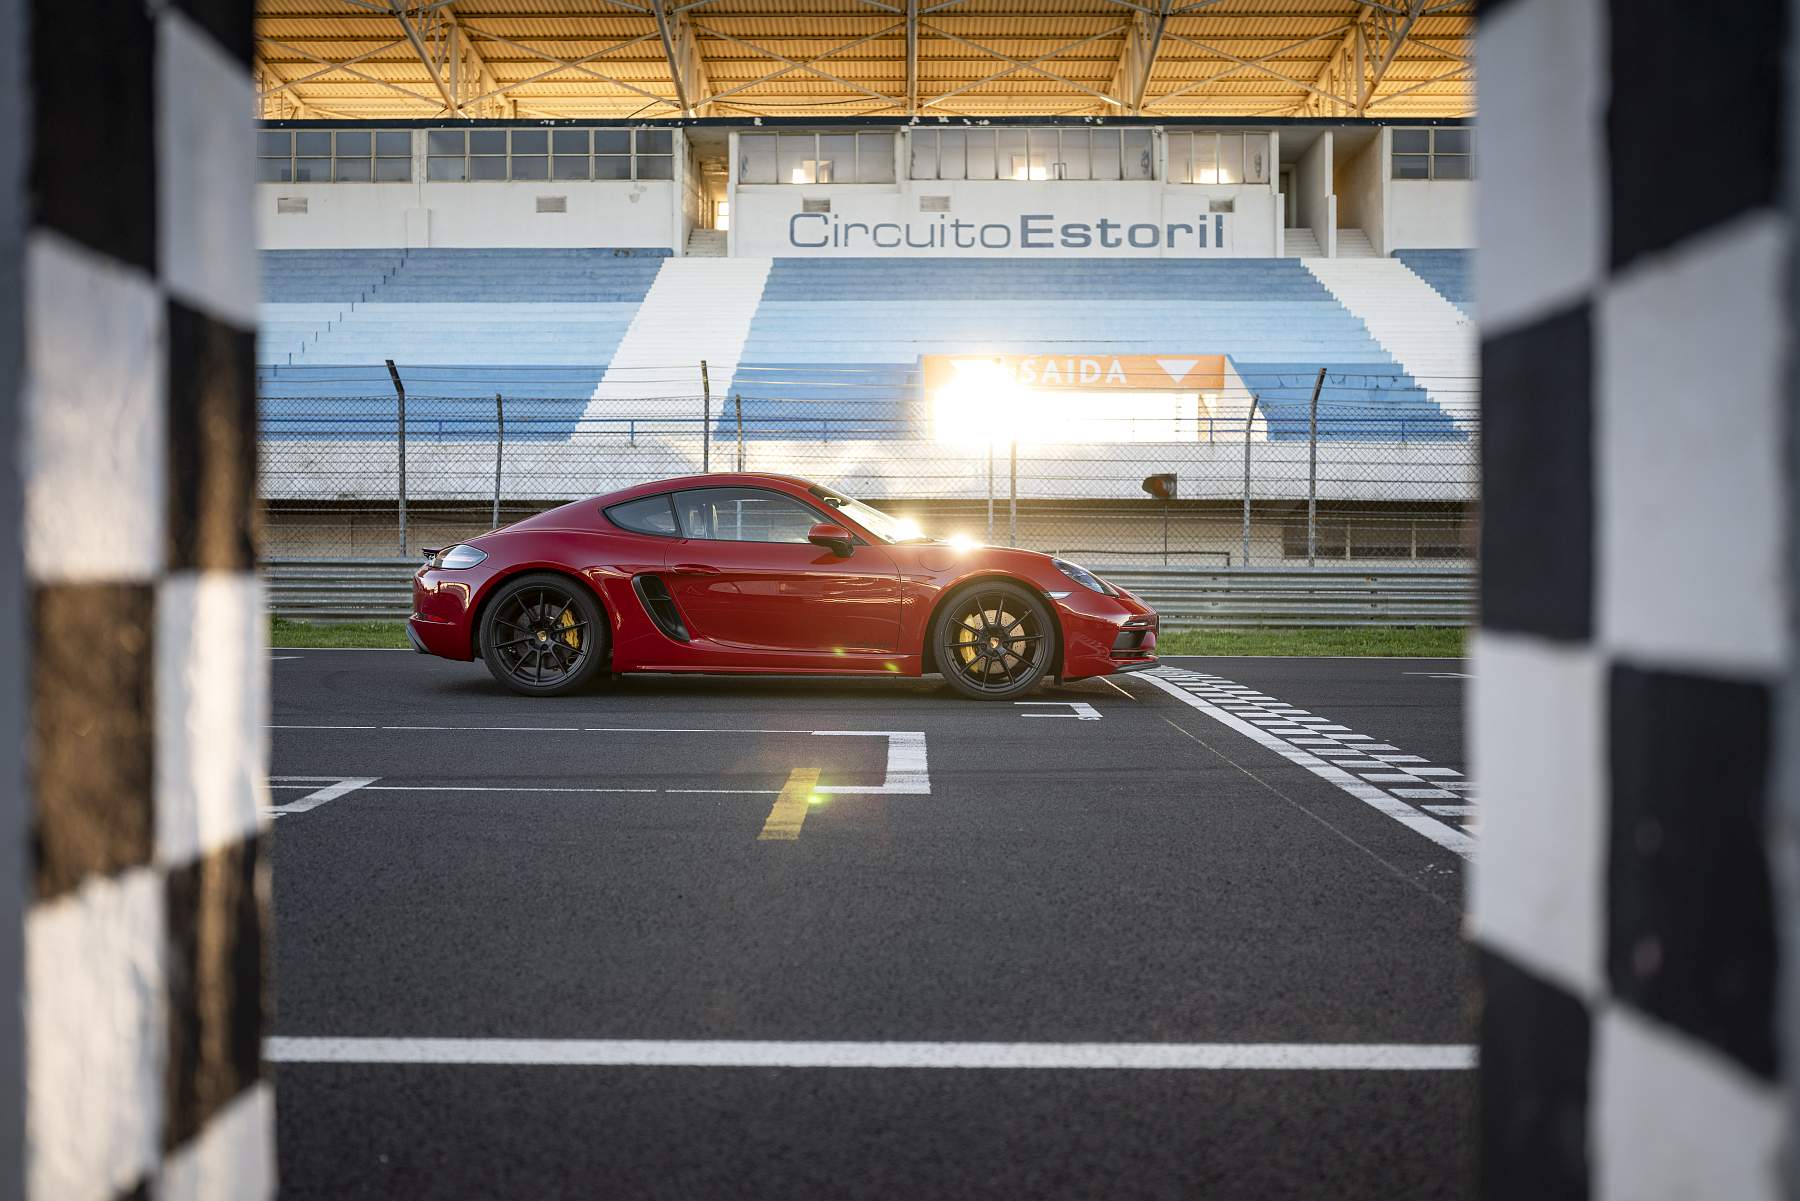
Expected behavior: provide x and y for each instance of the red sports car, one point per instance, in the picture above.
(764, 574)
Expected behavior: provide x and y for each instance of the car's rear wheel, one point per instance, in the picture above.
(994, 641)
(543, 635)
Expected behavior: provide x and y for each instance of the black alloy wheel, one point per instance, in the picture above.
(994, 641)
(543, 635)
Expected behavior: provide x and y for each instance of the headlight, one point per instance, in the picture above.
(459, 555)
(1084, 577)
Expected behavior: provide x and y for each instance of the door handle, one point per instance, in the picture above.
(694, 569)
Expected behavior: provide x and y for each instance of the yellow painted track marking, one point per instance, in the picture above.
(789, 811)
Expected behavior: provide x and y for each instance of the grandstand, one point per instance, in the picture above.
(785, 322)
(538, 324)
(844, 336)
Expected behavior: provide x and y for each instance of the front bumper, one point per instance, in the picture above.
(1103, 634)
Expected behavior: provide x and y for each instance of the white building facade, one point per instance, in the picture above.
(949, 187)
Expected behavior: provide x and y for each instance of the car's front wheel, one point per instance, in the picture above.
(543, 635)
(994, 641)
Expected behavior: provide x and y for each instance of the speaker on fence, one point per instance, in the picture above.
(1160, 487)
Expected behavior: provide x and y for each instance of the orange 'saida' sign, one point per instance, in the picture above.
(1157, 373)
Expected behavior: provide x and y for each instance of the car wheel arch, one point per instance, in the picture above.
(928, 652)
(499, 582)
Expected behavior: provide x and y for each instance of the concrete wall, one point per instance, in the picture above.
(1362, 190)
(1430, 214)
(767, 219)
(1313, 183)
(694, 209)
(643, 213)
(662, 213)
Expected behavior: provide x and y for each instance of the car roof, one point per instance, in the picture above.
(551, 518)
(717, 479)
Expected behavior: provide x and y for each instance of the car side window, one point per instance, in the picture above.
(646, 515)
(744, 515)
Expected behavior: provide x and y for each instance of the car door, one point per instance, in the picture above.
(745, 577)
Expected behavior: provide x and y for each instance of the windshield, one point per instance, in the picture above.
(884, 526)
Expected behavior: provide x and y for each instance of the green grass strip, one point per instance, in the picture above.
(1399, 642)
(337, 635)
(1406, 641)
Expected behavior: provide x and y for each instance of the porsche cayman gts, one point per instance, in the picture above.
(764, 575)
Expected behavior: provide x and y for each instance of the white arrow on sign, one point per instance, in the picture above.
(1177, 369)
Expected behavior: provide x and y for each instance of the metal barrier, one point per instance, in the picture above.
(378, 589)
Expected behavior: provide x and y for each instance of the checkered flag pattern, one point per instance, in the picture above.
(1636, 591)
(145, 935)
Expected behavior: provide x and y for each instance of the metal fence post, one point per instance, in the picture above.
(1312, 472)
(1012, 496)
(738, 401)
(705, 420)
(1249, 420)
(400, 394)
(499, 450)
(990, 515)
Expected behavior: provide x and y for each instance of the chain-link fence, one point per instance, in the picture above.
(1277, 469)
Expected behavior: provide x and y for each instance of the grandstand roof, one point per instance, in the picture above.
(386, 59)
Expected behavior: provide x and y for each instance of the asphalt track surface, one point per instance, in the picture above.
(1036, 890)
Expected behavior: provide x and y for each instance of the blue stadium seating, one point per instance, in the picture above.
(1450, 272)
(538, 326)
(849, 332)
(833, 349)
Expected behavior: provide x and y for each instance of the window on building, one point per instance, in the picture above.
(816, 158)
(1032, 154)
(458, 155)
(328, 155)
(1218, 158)
(1434, 154)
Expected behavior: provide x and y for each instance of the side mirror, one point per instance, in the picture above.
(834, 538)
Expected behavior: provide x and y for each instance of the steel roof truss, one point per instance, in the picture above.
(1022, 64)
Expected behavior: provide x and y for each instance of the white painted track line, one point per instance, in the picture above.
(338, 786)
(734, 1053)
(1446, 836)
(539, 788)
(907, 772)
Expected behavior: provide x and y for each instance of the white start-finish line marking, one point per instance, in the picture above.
(1080, 710)
(747, 1053)
(907, 772)
(334, 787)
(1368, 770)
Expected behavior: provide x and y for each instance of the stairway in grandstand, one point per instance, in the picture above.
(538, 326)
(707, 244)
(1431, 338)
(1299, 242)
(698, 309)
(834, 346)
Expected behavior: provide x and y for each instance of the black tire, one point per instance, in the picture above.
(994, 641)
(543, 635)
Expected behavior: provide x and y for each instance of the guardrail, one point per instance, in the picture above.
(1186, 598)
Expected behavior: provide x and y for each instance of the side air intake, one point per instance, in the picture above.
(660, 606)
